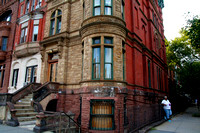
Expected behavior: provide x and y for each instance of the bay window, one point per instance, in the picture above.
(108, 7)
(106, 49)
(97, 7)
(96, 59)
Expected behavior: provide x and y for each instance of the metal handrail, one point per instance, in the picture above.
(79, 126)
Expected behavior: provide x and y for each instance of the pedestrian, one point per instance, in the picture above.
(167, 108)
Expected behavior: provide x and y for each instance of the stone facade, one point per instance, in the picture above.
(108, 57)
(8, 17)
(139, 74)
(26, 54)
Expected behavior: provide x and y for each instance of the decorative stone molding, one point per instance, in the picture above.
(26, 49)
(102, 23)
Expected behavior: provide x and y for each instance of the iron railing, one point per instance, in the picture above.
(57, 122)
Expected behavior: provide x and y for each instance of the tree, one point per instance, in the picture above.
(193, 32)
(189, 77)
(179, 51)
(182, 59)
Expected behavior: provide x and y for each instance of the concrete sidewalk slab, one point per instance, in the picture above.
(9, 129)
(181, 123)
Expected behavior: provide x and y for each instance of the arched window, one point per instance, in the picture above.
(55, 27)
(6, 16)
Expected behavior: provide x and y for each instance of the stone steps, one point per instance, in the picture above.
(30, 118)
(25, 112)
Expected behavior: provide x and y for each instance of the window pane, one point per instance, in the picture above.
(15, 77)
(35, 33)
(108, 55)
(52, 27)
(97, 2)
(2, 78)
(4, 43)
(28, 75)
(27, 6)
(56, 71)
(25, 34)
(97, 11)
(33, 5)
(58, 25)
(96, 40)
(22, 9)
(59, 12)
(108, 2)
(51, 72)
(108, 11)
(53, 15)
(102, 115)
(96, 55)
(96, 69)
(40, 2)
(108, 71)
(108, 40)
(34, 74)
(22, 36)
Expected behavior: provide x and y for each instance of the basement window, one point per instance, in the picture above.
(102, 114)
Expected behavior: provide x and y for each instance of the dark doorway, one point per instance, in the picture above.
(52, 105)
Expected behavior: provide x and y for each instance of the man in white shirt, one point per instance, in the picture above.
(167, 107)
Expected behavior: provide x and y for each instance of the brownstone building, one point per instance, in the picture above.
(102, 60)
(8, 17)
(109, 58)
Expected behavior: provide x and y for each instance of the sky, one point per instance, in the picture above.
(174, 15)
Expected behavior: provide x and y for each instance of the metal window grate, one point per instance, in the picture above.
(102, 115)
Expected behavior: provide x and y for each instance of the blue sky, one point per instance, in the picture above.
(174, 14)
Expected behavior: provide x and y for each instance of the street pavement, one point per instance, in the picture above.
(181, 123)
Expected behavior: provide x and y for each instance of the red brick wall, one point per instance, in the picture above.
(141, 45)
(142, 108)
(10, 34)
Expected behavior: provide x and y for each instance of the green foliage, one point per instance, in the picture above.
(189, 77)
(183, 60)
(179, 51)
(193, 31)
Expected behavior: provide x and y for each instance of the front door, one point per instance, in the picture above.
(53, 67)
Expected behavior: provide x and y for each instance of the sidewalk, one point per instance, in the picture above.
(181, 123)
(9, 129)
